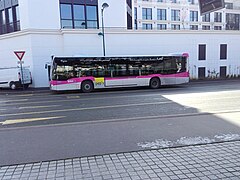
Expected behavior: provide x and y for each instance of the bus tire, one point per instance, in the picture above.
(87, 86)
(155, 83)
(13, 85)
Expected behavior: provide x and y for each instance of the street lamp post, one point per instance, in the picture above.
(104, 5)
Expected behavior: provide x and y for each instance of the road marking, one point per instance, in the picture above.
(83, 98)
(35, 107)
(100, 121)
(24, 95)
(72, 97)
(88, 108)
(16, 121)
(14, 100)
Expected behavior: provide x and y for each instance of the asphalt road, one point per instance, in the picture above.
(38, 125)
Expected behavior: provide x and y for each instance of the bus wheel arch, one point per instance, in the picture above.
(87, 86)
(155, 83)
(13, 85)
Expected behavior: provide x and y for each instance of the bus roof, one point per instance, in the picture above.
(124, 56)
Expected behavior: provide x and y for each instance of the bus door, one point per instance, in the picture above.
(169, 71)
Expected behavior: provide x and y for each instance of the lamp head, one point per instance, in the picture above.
(105, 5)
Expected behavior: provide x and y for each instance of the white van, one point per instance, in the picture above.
(14, 77)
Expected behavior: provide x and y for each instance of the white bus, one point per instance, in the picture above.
(14, 77)
(89, 73)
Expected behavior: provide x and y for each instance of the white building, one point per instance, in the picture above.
(184, 14)
(71, 27)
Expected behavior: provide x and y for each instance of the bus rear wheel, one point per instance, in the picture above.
(155, 83)
(87, 86)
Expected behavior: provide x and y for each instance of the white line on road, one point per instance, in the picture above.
(88, 108)
(36, 107)
(143, 118)
(15, 121)
(14, 100)
(24, 95)
(73, 97)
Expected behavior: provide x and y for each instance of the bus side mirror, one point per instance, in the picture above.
(46, 66)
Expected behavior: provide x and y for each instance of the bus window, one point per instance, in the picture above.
(119, 70)
(181, 65)
(133, 70)
(170, 66)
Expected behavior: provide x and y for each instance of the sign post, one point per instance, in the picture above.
(20, 55)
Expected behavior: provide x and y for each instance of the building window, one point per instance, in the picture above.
(175, 15)
(229, 5)
(175, 27)
(91, 17)
(147, 13)
(194, 16)
(66, 15)
(206, 17)
(9, 19)
(78, 16)
(16, 18)
(161, 14)
(146, 26)
(223, 51)
(205, 27)
(217, 27)
(3, 29)
(162, 26)
(232, 21)
(202, 52)
(193, 27)
(135, 18)
(217, 17)
(191, 1)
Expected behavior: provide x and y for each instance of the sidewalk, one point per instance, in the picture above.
(210, 161)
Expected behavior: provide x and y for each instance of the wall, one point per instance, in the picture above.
(41, 45)
(15, 42)
(115, 16)
(35, 14)
(39, 15)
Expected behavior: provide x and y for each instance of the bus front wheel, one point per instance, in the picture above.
(87, 86)
(155, 83)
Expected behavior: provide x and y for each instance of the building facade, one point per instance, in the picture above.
(184, 14)
(71, 28)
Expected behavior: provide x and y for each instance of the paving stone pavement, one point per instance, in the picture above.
(210, 161)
